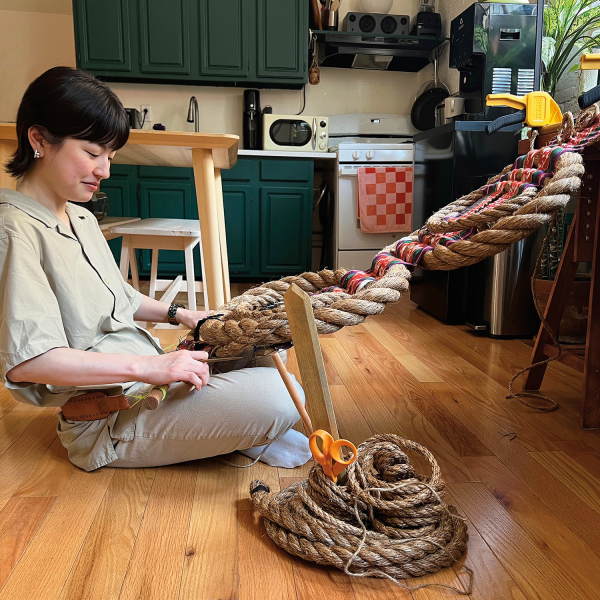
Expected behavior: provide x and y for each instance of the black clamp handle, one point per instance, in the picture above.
(505, 121)
(588, 98)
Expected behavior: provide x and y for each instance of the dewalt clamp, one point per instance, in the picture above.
(589, 62)
(536, 110)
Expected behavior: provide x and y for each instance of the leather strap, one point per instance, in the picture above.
(93, 406)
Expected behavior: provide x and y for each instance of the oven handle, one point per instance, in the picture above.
(352, 170)
(314, 138)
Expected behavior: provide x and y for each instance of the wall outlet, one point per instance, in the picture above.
(148, 114)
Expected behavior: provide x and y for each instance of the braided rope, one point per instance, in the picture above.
(387, 521)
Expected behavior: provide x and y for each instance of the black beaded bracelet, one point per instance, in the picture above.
(172, 312)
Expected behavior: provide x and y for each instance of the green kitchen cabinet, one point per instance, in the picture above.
(103, 36)
(164, 37)
(285, 230)
(223, 39)
(281, 39)
(261, 43)
(268, 214)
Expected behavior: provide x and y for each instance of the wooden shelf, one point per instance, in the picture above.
(409, 53)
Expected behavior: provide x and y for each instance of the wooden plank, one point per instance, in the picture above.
(573, 475)
(22, 457)
(408, 360)
(319, 581)
(545, 528)
(50, 475)
(583, 454)
(7, 402)
(392, 413)
(19, 521)
(157, 559)
(97, 573)
(491, 580)
(45, 565)
(14, 423)
(210, 565)
(353, 426)
(266, 571)
(310, 360)
(536, 575)
(260, 470)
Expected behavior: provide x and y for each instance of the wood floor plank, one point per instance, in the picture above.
(266, 571)
(45, 565)
(19, 521)
(529, 566)
(547, 530)
(445, 576)
(371, 588)
(157, 559)
(22, 457)
(491, 580)
(7, 402)
(210, 565)
(285, 482)
(318, 581)
(402, 417)
(101, 564)
(14, 423)
(580, 452)
(351, 424)
(260, 470)
(573, 475)
(50, 475)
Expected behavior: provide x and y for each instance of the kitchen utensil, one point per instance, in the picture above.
(331, 458)
(422, 113)
(315, 14)
(330, 19)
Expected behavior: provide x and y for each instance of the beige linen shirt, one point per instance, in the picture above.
(60, 289)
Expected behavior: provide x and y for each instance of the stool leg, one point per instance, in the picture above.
(204, 288)
(124, 264)
(153, 273)
(189, 275)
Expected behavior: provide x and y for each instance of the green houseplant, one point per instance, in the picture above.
(570, 26)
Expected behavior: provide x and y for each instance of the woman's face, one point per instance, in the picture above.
(74, 169)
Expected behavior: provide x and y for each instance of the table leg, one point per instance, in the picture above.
(135, 280)
(204, 175)
(153, 273)
(189, 274)
(7, 149)
(222, 235)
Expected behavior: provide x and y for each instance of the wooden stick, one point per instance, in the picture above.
(310, 359)
(291, 388)
(154, 398)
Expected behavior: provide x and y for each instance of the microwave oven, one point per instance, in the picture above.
(295, 133)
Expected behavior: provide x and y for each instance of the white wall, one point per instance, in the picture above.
(31, 42)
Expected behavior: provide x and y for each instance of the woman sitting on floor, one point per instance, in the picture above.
(68, 318)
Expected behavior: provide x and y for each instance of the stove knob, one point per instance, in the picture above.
(322, 145)
(369, 155)
(355, 155)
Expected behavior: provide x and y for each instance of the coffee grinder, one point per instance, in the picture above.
(493, 47)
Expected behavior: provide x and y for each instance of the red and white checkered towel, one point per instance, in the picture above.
(385, 199)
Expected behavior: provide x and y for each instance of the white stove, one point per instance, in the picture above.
(363, 140)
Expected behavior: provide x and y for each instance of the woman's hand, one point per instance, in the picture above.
(190, 318)
(182, 365)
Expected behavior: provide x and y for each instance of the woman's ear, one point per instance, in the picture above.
(37, 141)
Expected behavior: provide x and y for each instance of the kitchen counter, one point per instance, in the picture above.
(282, 154)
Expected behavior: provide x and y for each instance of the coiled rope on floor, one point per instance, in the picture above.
(386, 521)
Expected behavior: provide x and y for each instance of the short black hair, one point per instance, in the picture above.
(68, 103)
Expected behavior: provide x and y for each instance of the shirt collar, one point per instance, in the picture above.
(36, 210)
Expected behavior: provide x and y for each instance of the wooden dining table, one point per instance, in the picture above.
(207, 153)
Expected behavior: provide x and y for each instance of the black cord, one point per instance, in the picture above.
(303, 100)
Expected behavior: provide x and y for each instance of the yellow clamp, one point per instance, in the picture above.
(590, 62)
(539, 106)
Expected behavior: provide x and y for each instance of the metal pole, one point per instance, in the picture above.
(539, 32)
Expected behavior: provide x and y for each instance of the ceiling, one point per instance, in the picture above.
(58, 7)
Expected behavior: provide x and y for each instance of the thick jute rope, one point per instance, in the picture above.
(386, 521)
(503, 225)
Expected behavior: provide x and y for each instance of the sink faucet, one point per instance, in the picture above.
(193, 116)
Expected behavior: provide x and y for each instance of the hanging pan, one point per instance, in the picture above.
(430, 95)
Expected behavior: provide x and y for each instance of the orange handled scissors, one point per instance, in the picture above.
(331, 459)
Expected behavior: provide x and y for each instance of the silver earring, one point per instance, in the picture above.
(36, 154)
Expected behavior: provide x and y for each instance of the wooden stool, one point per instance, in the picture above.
(163, 234)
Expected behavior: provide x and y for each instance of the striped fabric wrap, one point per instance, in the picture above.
(410, 252)
(355, 280)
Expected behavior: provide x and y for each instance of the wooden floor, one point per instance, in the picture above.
(532, 498)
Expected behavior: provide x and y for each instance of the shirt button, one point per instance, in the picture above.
(107, 282)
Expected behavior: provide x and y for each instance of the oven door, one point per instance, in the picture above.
(290, 134)
(354, 248)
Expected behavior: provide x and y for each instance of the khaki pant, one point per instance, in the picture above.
(236, 410)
